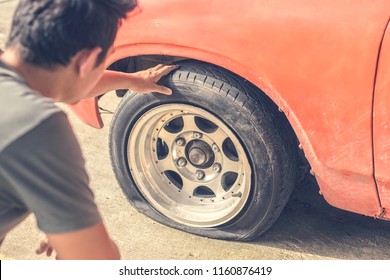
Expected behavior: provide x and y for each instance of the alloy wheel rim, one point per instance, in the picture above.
(189, 165)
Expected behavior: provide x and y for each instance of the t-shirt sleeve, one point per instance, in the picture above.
(46, 168)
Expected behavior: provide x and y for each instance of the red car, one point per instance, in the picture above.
(258, 80)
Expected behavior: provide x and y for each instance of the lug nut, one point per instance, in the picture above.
(200, 174)
(180, 141)
(217, 167)
(197, 135)
(215, 148)
(181, 162)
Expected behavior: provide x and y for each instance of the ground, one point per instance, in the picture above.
(308, 228)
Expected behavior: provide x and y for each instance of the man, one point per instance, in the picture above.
(56, 52)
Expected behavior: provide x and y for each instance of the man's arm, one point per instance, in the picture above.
(91, 243)
(140, 82)
(51, 182)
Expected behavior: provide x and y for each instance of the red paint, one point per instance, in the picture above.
(88, 111)
(316, 60)
(382, 125)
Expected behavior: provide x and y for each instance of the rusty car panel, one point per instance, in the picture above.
(316, 61)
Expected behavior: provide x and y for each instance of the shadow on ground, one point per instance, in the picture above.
(309, 225)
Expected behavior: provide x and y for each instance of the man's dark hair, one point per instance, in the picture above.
(49, 33)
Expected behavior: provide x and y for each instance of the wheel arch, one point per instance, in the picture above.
(218, 60)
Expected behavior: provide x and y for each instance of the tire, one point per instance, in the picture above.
(213, 159)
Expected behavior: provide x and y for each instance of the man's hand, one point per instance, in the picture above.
(149, 78)
(140, 82)
(92, 243)
(44, 247)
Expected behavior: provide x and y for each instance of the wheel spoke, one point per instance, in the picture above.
(231, 166)
(218, 136)
(216, 187)
(189, 186)
(189, 123)
(166, 164)
(167, 137)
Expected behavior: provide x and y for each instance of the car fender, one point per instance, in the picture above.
(316, 62)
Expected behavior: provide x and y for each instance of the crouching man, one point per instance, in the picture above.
(56, 52)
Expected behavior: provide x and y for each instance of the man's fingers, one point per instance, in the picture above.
(157, 67)
(162, 71)
(42, 247)
(152, 76)
(165, 70)
(163, 90)
(49, 251)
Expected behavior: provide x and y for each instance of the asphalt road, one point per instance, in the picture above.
(308, 228)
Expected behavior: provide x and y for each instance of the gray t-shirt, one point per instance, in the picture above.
(41, 166)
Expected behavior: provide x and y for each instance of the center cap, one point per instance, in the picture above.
(197, 156)
(200, 154)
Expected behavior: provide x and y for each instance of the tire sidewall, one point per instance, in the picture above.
(256, 137)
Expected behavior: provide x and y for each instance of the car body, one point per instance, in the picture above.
(325, 64)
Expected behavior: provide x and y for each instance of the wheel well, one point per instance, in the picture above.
(142, 62)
